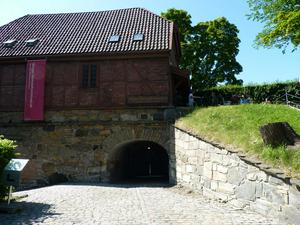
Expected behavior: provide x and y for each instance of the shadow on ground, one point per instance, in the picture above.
(123, 184)
(131, 183)
(29, 213)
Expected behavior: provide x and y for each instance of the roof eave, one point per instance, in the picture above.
(79, 55)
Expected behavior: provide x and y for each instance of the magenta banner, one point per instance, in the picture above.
(34, 90)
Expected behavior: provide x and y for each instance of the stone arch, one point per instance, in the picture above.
(122, 136)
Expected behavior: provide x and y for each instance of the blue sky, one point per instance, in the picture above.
(259, 65)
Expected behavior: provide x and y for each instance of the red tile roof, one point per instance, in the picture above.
(86, 33)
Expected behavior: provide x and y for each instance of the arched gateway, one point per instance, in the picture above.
(139, 154)
(139, 161)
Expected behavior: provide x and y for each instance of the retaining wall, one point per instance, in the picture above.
(230, 177)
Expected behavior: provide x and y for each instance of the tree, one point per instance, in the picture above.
(209, 50)
(182, 19)
(281, 20)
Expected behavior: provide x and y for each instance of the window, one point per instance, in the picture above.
(138, 37)
(114, 38)
(10, 43)
(31, 42)
(89, 75)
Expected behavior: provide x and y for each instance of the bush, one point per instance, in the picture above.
(7, 148)
(258, 93)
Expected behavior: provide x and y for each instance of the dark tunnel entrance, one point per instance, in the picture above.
(140, 161)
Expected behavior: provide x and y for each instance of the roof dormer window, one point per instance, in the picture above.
(114, 38)
(10, 43)
(138, 37)
(31, 42)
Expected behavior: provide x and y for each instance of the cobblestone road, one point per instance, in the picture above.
(96, 204)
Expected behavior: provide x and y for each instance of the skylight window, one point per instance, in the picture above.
(31, 42)
(10, 43)
(138, 37)
(114, 38)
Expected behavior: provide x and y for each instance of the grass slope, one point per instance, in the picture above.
(238, 127)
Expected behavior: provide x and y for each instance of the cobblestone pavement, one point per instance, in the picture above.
(125, 204)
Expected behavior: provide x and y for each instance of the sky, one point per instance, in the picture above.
(259, 65)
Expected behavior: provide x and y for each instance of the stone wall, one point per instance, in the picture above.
(230, 177)
(76, 145)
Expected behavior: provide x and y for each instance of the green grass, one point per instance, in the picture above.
(238, 127)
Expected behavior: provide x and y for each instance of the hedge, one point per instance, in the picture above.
(274, 93)
(7, 148)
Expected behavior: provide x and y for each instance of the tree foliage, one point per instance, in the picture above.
(7, 148)
(182, 20)
(274, 92)
(281, 20)
(209, 49)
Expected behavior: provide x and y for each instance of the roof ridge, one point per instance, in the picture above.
(84, 12)
(149, 11)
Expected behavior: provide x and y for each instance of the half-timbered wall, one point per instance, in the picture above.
(120, 83)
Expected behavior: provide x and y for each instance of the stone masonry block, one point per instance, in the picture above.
(239, 203)
(226, 160)
(258, 175)
(230, 161)
(178, 176)
(214, 166)
(186, 146)
(186, 137)
(273, 194)
(199, 169)
(291, 214)
(294, 197)
(207, 156)
(180, 143)
(193, 139)
(200, 161)
(222, 169)
(274, 180)
(205, 182)
(189, 168)
(251, 176)
(200, 154)
(236, 175)
(193, 160)
(191, 153)
(193, 145)
(203, 145)
(261, 206)
(226, 188)
(259, 189)
(224, 152)
(214, 195)
(214, 185)
(186, 178)
(207, 170)
(219, 176)
(217, 158)
(246, 191)
(262, 176)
